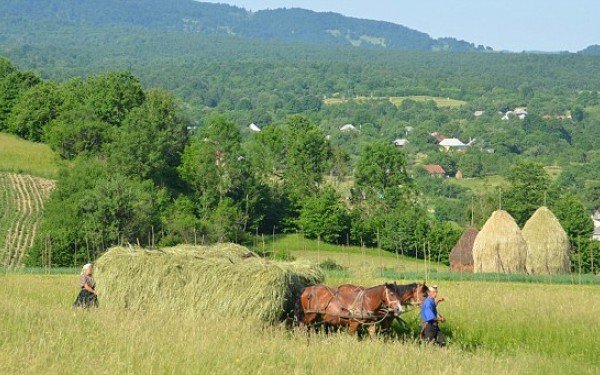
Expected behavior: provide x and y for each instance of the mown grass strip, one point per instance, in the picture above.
(492, 277)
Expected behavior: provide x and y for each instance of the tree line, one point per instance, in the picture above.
(136, 171)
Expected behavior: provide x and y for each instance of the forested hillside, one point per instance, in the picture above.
(181, 163)
(294, 25)
(593, 50)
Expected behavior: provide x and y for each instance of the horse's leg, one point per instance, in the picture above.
(309, 320)
(353, 327)
(372, 330)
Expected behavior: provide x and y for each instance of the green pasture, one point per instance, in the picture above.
(21, 156)
(397, 100)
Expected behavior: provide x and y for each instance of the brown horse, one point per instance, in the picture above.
(348, 306)
(410, 295)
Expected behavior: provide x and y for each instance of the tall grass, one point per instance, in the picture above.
(495, 328)
(586, 279)
(20, 156)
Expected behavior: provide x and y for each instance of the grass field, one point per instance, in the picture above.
(397, 100)
(482, 184)
(20, 156)
(494, 328)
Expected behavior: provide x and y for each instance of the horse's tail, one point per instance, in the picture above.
(298, 310)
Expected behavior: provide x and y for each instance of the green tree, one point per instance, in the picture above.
(307, 153)
(151, 140)
(76, 132)
(181, 223)
(573, 216)
(380, 166)
(325, 216)
(111, 96)
(12, 85)
(213, 163)
(34, 110)
(530, 184)
(92, 209)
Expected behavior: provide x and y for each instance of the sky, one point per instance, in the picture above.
(514, 25)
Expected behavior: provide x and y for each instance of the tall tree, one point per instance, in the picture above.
(34, 110)
(530, 184)
(12, 85)
(325, 216)
(380, 166)
(151, 140)
(307, 152)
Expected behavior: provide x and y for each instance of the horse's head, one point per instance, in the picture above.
(412, 294)
(392, 299)
(420, 294)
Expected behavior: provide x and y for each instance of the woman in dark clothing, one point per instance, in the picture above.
(87, 295)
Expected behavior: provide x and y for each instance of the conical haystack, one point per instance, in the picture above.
(461, 256)
(548, 244)
(500, 246)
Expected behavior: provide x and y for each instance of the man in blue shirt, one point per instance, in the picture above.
(430, 331)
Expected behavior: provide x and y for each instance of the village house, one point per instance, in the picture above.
(253, 127)
(438, 137)
(454, 144)
(519, 112)
(596, 219)
(435, 170)
(348, 128)
(401, 142)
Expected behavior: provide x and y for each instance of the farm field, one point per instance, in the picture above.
(501, 328)
(21, 156)
(397, 100)
(357, 260)
(482, 184)
(22, 199)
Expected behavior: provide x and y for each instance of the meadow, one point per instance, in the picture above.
(507, 327)
(397, 100)
(20, 156)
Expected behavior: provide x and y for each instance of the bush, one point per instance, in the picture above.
(331, 265)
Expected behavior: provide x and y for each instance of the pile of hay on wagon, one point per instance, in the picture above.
(461, 256)
(227, 280)
(499, 246)
(548, 244)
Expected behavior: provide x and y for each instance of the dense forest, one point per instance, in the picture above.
(293, 25)
(152, 123)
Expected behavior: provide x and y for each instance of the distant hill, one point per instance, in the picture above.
(593, 50)
(290, 25)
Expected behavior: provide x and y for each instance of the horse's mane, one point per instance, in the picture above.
(401, 289)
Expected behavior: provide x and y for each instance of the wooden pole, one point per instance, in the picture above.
(379, 254)
(500, 198)
(319, 248)
(472, 211)
(273, 242)
(348, 248)
(579, 250)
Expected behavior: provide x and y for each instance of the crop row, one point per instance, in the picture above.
(22, 204)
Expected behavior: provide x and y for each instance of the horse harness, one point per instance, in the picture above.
(356, 311)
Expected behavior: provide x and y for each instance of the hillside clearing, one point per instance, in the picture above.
(21, 156)
(361, 262)
(482, 184)
(397, 100)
